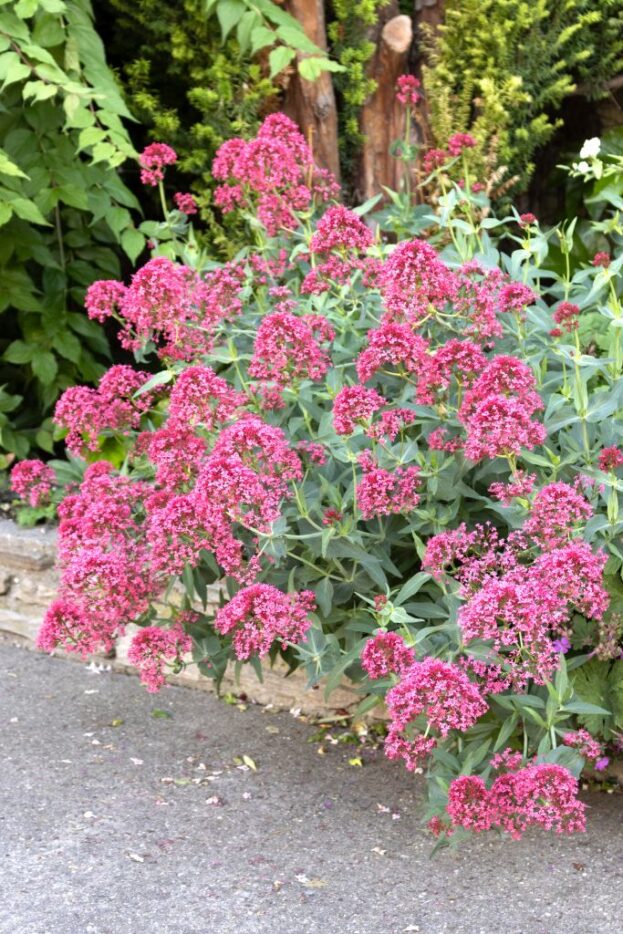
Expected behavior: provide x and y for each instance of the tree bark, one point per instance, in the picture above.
(382, 118)
(312, 103)
(429, 11)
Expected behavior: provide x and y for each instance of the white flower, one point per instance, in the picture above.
(582, 167)
(590, 149)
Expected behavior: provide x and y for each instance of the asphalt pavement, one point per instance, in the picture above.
(123, 812)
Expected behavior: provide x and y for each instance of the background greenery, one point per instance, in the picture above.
(66, 214)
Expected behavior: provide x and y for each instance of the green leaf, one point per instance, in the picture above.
(74, 197)
(19, 352)
(324, 596)
(39, 90)
(26, 8)
(261, 37)
(68, 346)
(247, 23)
(7, 167)
(158, 714)
(90, 136)
(28, 211)
(48, 31)
(159, 379)
(411, 587)
(295, 37)
(44, 366)
(367, 206)
(12, 69)
(279, 59)
(585, 708)
(599, 685)
(6, 213)
(132, 242)
(103, 152)
(309, 68)
(229, 13)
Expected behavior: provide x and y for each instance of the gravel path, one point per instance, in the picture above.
(148, 826)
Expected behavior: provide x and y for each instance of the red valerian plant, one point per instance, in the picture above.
(385, 464)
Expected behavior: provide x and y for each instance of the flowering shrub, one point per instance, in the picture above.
(392, 461)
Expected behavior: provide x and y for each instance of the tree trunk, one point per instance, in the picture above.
(429, 11)
(312, 103)
(382, 118)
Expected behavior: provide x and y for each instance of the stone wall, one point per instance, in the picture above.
(28, 584)
(28, 580)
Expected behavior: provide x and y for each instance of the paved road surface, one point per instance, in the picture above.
(149, 827)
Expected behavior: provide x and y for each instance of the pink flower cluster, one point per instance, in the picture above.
(153, 648)
(520, 592)
(396, 345)
(520, 486)
(273, 174)
(497, 411)
(557, 510)
(185, 203)
(338, 246)
(153, 160)
(417, 286)
(439, 690)
(527, 220)
(32, 481)
(539, 795)
(240, 483)
(261, 614)
(201, 398)
(169, 304)
(459, 142)
(610, 458)
(355, 405)
(121, 541)
(67, 626)
(602, 259)
(87, 413)
(588, 747)
(431, 695)
(408, 90)
(386, 653)
(383, 492)
(106, 579)
(568, 316)
(289, 348)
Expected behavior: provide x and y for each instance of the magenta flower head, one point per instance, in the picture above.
(459, 142)
(407, 90)
(153, 160)
(527, 220)
(602, 259)
(185, 203)
(610, 458)
(386, 653)
(32, 481)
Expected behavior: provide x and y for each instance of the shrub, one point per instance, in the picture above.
(401, 462)
(500, 69)
(65, 213)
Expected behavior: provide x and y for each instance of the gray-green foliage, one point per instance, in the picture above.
(65, 213)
